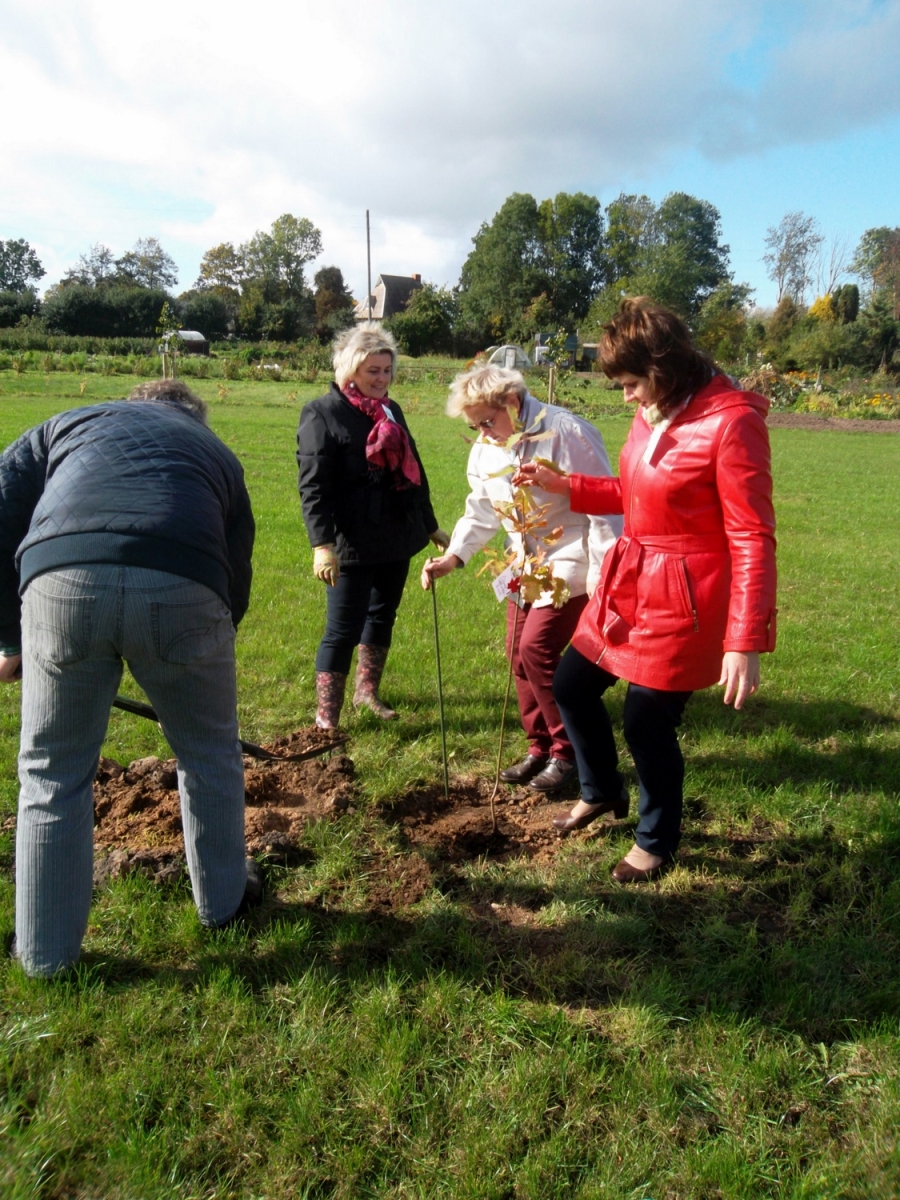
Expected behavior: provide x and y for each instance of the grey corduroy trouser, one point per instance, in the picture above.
(78, 625)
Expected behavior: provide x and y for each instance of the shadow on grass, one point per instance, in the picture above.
(799, 931)
(841, 746)
(800, 934)
(812, 719)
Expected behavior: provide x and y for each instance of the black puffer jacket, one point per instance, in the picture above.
(346, 501)
(132, 482)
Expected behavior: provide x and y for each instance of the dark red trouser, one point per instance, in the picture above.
(541, 636)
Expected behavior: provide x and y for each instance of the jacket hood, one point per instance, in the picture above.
(721, 393)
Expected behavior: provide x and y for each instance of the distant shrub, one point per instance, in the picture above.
(205, 312)
(822, 308)
(35, 337)
(16, 305)
(104, 312)
(196, 368)
(846, 303)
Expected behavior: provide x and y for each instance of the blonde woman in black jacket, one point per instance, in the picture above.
(367, 512)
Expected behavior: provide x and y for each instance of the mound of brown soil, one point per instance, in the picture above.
(137, 811)
(462, 828)
(138, 818)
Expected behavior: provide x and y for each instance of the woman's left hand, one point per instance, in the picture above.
(740, 676)
(440, 539)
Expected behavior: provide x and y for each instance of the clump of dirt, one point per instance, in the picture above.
(137, 811)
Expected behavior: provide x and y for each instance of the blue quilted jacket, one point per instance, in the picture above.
(138, 483)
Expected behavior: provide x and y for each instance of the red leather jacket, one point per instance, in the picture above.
(694, 573)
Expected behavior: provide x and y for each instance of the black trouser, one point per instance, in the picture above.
(361, 609)
(650, 722)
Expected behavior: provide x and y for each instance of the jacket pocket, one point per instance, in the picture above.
(665, 596)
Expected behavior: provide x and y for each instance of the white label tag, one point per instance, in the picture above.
(501, 584)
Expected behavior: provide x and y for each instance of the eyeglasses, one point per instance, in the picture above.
(482, 425)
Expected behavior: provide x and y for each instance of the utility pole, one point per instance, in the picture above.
(368, 267)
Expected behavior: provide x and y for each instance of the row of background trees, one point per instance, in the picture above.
(536, 267)
(566, 263)
(255, 291)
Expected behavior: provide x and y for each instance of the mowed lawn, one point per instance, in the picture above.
(731, 1032)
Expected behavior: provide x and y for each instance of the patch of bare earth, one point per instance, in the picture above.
(462, 828)
(788, 420)
(137, 811)
(138, 820)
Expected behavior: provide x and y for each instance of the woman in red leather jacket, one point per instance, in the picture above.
(687, 595)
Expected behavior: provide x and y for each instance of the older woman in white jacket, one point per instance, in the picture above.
(496, 403)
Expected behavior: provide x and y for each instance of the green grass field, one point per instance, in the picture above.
(731, 1032)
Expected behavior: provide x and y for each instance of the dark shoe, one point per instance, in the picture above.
(618, 808)
(624, 872)
(254, 891)
(522, 771)
(554, 776)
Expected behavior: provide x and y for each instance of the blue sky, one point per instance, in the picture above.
(199, 123)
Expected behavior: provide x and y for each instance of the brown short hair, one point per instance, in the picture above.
(644, 338)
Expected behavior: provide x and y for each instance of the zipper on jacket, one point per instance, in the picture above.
(690, 594)
(631, 495)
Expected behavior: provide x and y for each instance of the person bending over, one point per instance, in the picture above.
(126, 534)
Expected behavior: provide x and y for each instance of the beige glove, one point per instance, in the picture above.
(325, 564)
(440, 539)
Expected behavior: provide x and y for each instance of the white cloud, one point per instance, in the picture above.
(202, 122)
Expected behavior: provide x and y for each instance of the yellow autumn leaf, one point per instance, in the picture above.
(549, 464)
(530, 588)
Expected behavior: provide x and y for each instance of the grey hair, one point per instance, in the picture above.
(157, 390)
(353, 347)
(484, 385)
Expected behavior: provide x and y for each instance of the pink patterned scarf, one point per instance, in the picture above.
(387, 445)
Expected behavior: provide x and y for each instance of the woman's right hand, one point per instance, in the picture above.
(535, 474)
(437, 568)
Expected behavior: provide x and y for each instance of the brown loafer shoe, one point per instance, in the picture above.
(554, 776)
(521, 772)
(624, 872)
(618, 808)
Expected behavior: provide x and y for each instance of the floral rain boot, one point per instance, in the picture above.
(330, 687)
(370, 662)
